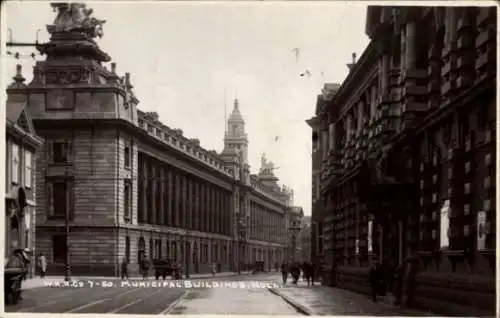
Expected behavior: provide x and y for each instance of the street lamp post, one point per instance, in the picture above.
(187, 251)
(294, 230)
(67, 265)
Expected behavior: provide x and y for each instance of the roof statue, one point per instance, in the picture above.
(266, 166)
(75, 17)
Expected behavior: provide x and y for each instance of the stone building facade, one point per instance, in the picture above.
(320, 155)
(114, 183)
(408, 172)
(21, 147)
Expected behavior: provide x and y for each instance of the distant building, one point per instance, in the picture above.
(304, 238)
(130, 186)
(293, 228)
(320, 157)
(22, 144)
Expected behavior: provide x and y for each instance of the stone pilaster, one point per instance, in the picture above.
(213, 208)
(162, 209)
(170, 195)
(177, 195)
(196, 214)
(190, 203)
(154, 194)
(184, 201)
(144, 212)
(208, 200)
(217, 211)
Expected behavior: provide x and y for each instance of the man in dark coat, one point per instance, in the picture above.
(124, 268)
(284, 272)
(295, 271)
(374, 278)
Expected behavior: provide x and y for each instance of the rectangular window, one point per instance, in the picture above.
(127, 156)
(127, 248)
(59, 199)
(60, 152)
(15, 163)
(127, 199)
(28, 175)
(59, 248)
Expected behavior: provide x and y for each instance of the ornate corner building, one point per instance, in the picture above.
(113, 182)
(404, 159)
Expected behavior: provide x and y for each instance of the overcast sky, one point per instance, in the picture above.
(183, 57)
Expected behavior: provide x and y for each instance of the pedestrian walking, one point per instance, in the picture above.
(124, 268)
(308, 272)
(295, 273)
(214, 269)
(374, 278)
(284, 272)
(42, 263)
(145, 268)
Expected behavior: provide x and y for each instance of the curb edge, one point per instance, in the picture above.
(303, 310)
(174, 304)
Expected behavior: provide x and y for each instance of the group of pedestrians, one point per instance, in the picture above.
(308, 271)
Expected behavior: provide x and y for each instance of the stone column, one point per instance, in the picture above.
(324, 139)
(183, 201)
(384, 90)
(217, 211)
(200, 212)
(170, 195)
(213, 209)
(191, 202)
(403, 48)
(154, 193)
(209, 208)
(177, 199)
(268, 225)
(349, 128)
(206, 208)
(331, 137)
(144, 192)
(450, 28)
(360, 111)
(161, 208)
(196, 212)
(411, 42)
(223, 213)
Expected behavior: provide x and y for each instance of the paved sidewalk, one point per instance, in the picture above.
(231, 301)
(327, 301)
(37, 282)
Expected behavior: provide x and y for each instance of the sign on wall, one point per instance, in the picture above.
(481, 231)
(444, 225)
(369, 236)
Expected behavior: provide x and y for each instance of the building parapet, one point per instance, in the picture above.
(268, 192)
(175, 138)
